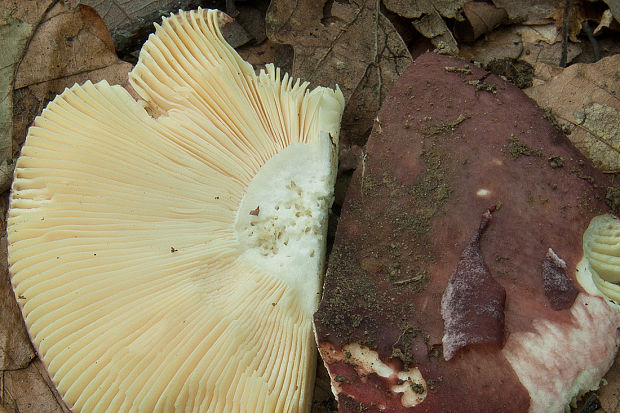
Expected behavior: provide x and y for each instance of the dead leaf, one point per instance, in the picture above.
(29, 12)
(481, 18)
(606, 20)
(280, 55)
(29, 390)
(530, 12)
(252, 18)
(428, 19)
(433, 27)
(544, 72)
(15, 35)
(117, 13)
(352, 45)
(498, 44)
(450, 9)
(614, 6)
(539, 46)
(543, 44)
(67, 42)
(585, 96)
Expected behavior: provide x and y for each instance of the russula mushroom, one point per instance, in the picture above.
(413, 303)
(166, 253)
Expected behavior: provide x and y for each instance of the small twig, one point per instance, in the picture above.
(409, 280)
(595, 47)
(564, 57)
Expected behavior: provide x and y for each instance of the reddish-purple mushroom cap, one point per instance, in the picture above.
(452, 284)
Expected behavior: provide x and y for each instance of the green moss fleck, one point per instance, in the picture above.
(612, 198)
(403, 347)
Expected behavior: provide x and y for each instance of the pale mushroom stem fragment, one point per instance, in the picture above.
(601, 266)
(129, 245)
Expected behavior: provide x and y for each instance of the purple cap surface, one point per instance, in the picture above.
(450, 142)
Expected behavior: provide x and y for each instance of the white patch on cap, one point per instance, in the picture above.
(411, 380)
(555, 370)
(409, 383)
(483, 192)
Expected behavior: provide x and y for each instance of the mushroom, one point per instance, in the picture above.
(416, 293)
(145, 279)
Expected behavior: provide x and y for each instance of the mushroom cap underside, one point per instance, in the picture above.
(129, 248)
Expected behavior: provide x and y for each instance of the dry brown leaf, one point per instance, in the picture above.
(29, 12)
(544, 72)
(480, 18)
(498, 44)
(67, 42)
(540, 46)
(450, 9)
(252, 18)
(428, 19)
(528, 11)
(116, 13)
(29, 390)
(352, 45)
(614, 6)
(586, 97)
(606, 20)
(267, 52)
(543, 44)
